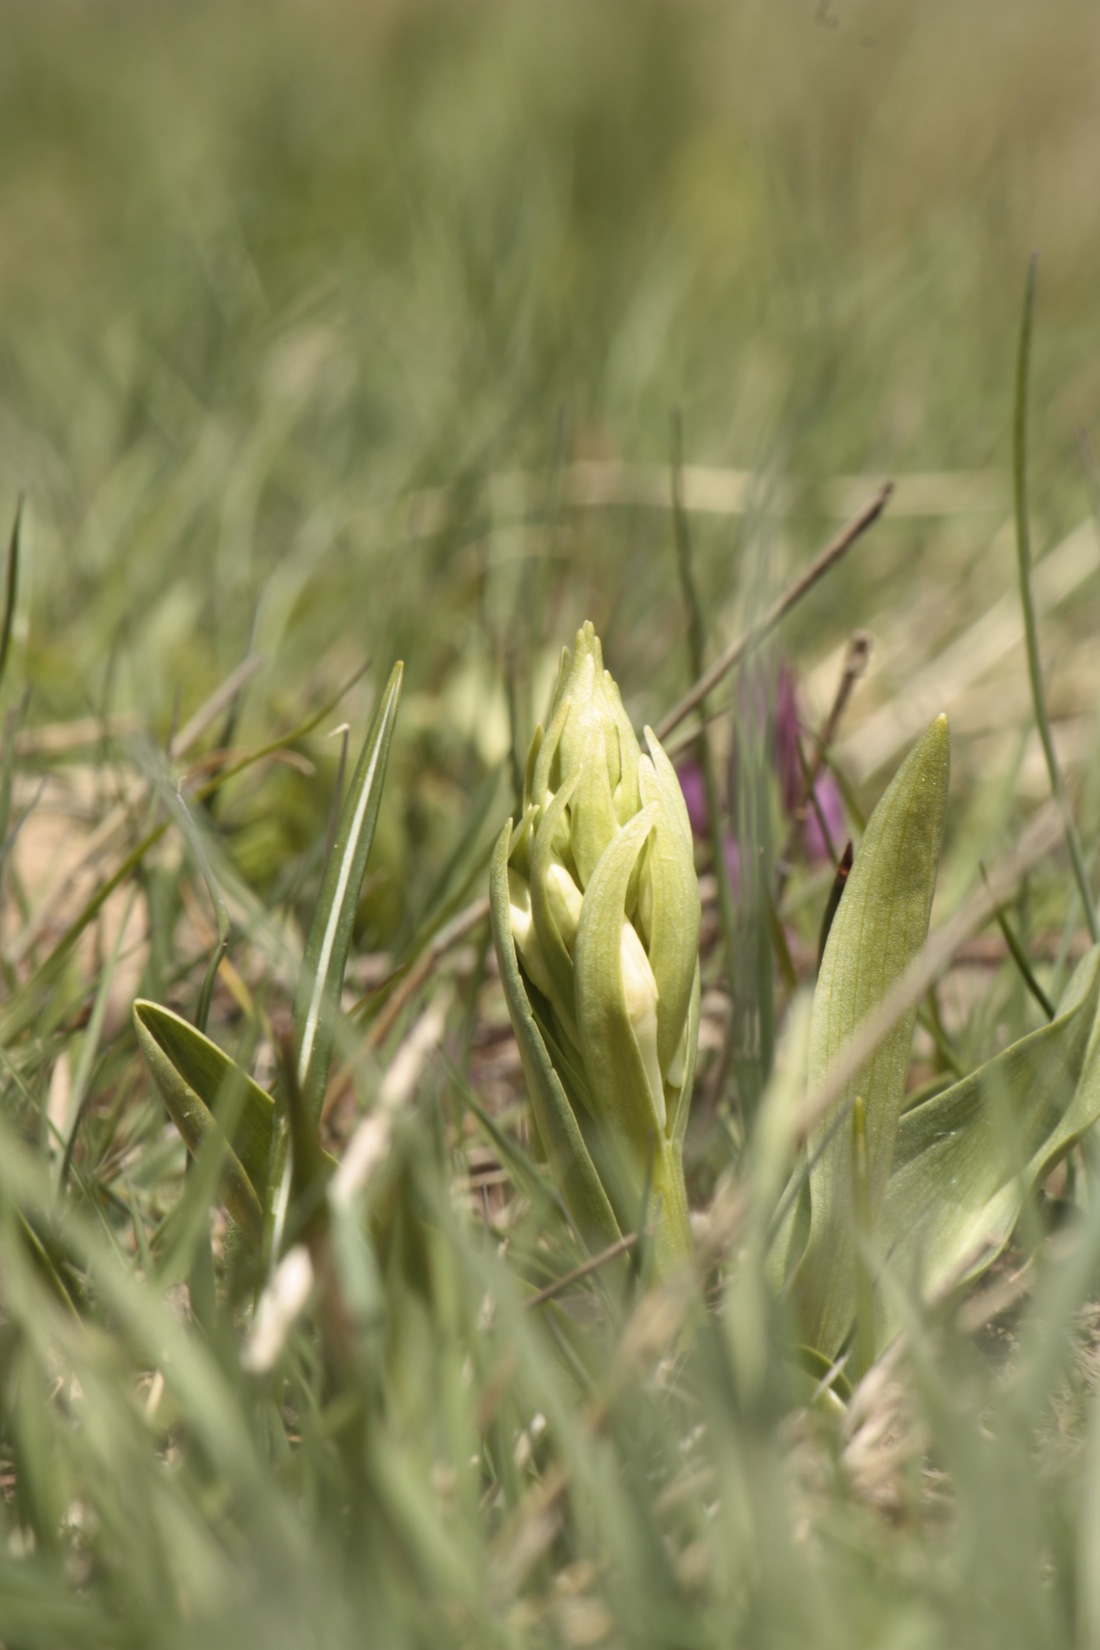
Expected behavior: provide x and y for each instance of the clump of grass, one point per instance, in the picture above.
(396, 1391)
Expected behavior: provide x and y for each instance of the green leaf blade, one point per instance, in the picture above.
(317, 1005)
(879, 928)
(196, 1080)
(968, 1158)
(558, 1127)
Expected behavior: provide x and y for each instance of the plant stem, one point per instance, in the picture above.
(1031, 630)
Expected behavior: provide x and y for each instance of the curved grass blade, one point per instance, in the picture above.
(879, 927)
(197, 1081)
(1019, 956)
(1031, 627)
(967, 1159)
(317, 1006)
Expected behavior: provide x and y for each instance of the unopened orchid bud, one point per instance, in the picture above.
(595, 910)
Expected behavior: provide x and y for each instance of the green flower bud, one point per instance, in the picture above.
(595, 909)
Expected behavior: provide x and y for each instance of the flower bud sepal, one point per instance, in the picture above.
(616, 1173)
(595, 913)
(559, 1132)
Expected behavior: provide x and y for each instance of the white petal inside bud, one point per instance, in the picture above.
(677, 1066)
(565, 900)
(640, 996)
(523, 931)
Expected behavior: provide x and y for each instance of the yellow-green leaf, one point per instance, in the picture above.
(879, 927)
(195, 1078)
(967, 1158)
(559, 1130)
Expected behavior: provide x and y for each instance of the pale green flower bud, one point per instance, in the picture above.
(596, 922)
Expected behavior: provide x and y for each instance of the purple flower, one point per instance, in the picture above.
(695, 795)
(824, 807)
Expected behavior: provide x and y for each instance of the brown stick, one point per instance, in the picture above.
(621, 1246)
(778, 611)
(855, 663)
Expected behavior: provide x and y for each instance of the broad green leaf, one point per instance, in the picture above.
(560, 1135)
(317, 1005)
(194, 1077)
(968, 1158)
(878, 929)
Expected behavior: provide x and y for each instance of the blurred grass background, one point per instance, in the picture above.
(290, 296)
(265, 275)
(254, 272)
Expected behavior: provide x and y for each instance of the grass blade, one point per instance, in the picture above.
(559, 1132)
(317, 1006)
(1031, 628)
(11, 585)
(1019, 957)
(195, 1079)
(879, 928)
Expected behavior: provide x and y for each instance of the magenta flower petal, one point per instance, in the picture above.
(733, 864)
(788, 761)
(695, 795)
(831, 806)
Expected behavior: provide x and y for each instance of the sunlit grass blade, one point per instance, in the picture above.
(317, 1009)
(317, 1005)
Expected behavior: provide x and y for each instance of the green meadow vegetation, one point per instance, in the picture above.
(366, 1276)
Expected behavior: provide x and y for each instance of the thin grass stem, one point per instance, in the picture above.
(1031, 628)
(756, 633)
(696, 652)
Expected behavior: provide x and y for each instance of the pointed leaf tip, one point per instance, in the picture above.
(879, 927)
(197, 1081)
